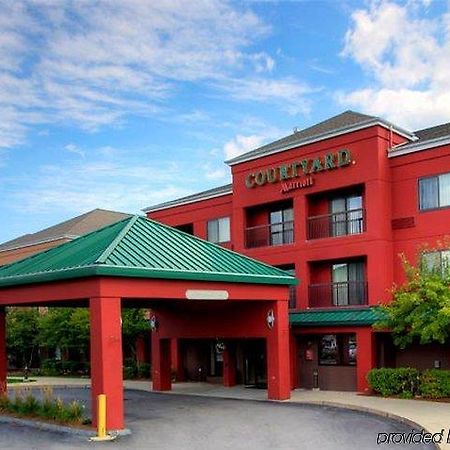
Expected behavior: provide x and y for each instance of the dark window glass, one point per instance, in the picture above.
(337, 350)
(436, 261)
(346, 215)
(429, 193)
(434, 192)
(348, 283)
(282, 226)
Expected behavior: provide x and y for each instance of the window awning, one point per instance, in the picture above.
(336, 317)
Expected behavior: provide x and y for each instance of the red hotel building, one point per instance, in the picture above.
(335, 203)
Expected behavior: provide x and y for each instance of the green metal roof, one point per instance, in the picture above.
(140, 247)
(336, 317)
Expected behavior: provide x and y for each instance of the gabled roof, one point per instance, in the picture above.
(204, 195)
(140, 247)
(336, 317)
(68, 229)
(345, 122)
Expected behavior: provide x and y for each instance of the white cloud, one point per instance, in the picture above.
(241, 144)
(72, 148)
(407, 56)
(287, 93)
(90, 64)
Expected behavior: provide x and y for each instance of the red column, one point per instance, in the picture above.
(365, 356)
(176, 363)
(278, 372)
(140, 350)
(106, 359)
(161, 376)
(229, 365)
(3, 358)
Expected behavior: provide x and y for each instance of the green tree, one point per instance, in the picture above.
(134, 325)
(21, 335)
(420, 309)
(66, 328)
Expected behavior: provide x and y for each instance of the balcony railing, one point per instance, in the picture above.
(337, 224)
(280, 233)
(347, 293)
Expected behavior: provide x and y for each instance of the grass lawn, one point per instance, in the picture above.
(13, 380)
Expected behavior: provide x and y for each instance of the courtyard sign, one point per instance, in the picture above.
(288, 174)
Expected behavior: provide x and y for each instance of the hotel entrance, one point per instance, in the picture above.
(255, 363)
(203, 360)
(328, 361)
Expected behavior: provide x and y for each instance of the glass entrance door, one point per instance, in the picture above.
(255, 363)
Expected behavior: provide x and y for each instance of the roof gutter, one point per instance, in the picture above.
(418, 146)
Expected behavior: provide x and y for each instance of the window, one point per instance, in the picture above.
(346, 215)
(436, 261)
(282, 226)
(349, 287)
(434, 192)
(219, 230)
(186, 228)
(337, 350)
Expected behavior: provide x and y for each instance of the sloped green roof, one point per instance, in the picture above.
(140, 247)
(337, 317)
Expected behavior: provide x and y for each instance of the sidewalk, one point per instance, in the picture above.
(432, 416)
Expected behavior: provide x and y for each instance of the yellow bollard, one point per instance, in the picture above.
(101, 416)
(101, 421)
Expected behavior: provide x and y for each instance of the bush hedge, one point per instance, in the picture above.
(407, 382)
(402, 381)
(435, 383)
(52, 368)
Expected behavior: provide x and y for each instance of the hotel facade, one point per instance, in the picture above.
(335, 204)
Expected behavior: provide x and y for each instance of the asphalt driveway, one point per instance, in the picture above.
(161, 421)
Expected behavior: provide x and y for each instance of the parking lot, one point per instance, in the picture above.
(162, 421)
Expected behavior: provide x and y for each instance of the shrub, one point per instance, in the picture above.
(25, 404)
(402, 381)
(435, 383)
(30, 405)
(144, 370)
(49, 368)
(5, 403)
(129, 372)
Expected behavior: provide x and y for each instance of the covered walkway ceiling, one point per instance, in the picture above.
(138, 260)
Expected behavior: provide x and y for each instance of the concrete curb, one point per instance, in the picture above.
(44, 426)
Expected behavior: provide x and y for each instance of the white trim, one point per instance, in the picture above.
(187, 201)
(323, 136)
(44, 241)
(418, 146)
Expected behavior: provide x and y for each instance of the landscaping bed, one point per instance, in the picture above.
(409, 383)
(23, 404)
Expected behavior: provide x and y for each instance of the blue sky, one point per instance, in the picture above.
(121, 105)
